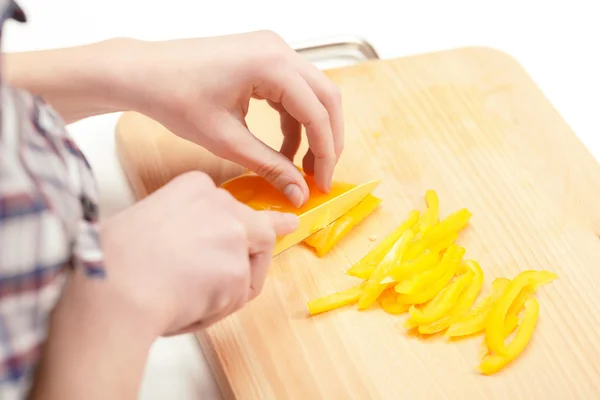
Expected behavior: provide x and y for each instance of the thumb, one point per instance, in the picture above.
(283, 223)
(250, 152)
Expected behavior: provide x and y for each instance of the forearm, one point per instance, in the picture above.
(96, 349)
(78, 82)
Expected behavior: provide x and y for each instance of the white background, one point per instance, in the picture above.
(558, 43)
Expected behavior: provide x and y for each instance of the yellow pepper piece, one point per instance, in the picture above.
(389, 302)
(433, 287)
(474, 320)
(443, 243)
(528, 280)
(408, 268)
(453, 223)
(335, 300)
(462, 305)
(512, 322)
(325, 239)
(420, 281)
(496, 362)
(430, 217)
(374, 287)
(442, 303)
(361, 271)
(374, 257)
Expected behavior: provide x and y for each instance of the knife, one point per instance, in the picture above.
(324, 214)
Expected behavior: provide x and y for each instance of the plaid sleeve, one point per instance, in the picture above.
(48, 225)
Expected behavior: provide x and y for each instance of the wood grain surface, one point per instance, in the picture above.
(472, 125)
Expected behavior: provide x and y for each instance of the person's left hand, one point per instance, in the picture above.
(200, 89)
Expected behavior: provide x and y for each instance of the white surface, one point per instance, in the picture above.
(558, 44)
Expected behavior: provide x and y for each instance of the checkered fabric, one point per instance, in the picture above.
(48, 224)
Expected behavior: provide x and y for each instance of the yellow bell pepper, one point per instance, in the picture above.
(430, 217)
(429, 287)
(419, 282)
(511, 323)
(441, 304)
(494, 332)
(335, 300)
(463, 304)
(325, 239)
(389, 302)
(408, 268)
(495, 362)
(374, 287)
(443, 243)
(474, 320)
(369, 263)
(454, 223)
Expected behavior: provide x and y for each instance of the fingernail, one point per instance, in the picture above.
(294, 194)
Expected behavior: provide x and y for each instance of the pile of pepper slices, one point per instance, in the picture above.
(419, 269)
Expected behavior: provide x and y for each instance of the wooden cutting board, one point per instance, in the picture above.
(472, 125)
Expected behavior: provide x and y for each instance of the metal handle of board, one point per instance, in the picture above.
(339, 47)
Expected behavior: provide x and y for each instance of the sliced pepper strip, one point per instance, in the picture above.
(408, 268)
(442, 303)
(432, 288)
(512, 322)
(474, 320)
(444, 243)
(335, 300)
(419, 282)
(389, 302)
(374, 257)
(373, 288)
(453, 223)
(494, 332)
(496, 362)
(325, 239)
(361, 271)
(430, 217)
(463, 304)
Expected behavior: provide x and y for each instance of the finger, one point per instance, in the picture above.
(277, 169)
(262, 234)
(287, 87)
(329, 95)
(283, 223)
(291, 129)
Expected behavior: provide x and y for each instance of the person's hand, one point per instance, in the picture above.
(189, 254)
(200, 89)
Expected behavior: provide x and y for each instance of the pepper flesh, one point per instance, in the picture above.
(408, 268)
(430, 217)
(495, 362)
(420, 281)
(441, 303)
(389, 302)
(374, 287)
(258, 193)
(454, 223)
(528, 280)
(474, 320)
(327, 238)
(463, 304)
(511, 323)
(374, 257)
(335, 300)
(433, 287)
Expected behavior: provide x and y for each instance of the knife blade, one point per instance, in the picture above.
(319, 217)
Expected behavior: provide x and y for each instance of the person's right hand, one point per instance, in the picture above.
(189, 254)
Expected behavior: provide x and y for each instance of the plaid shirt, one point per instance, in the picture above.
(48, 224)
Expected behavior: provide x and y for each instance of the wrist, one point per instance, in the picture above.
(79, 81)
(100, 303)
